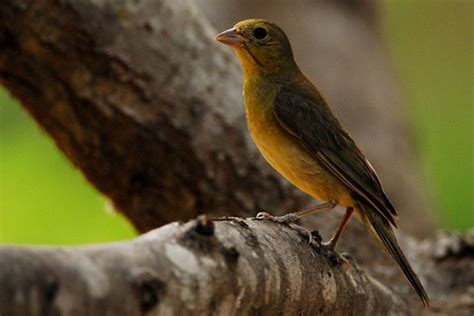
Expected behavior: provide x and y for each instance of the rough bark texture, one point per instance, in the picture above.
(446, 263)
(232, 267)
(142, 100)
(229, 267)
(139, 96)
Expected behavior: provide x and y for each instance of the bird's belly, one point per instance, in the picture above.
(292, 161)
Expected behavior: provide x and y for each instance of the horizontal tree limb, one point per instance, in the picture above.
(232, 266)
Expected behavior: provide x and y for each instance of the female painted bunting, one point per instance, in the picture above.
(294, 129)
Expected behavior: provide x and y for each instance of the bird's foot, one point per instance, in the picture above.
(348, 260)
(303, 231)
(288, 219)
(285, 219)
(329, 244)
(336, 258)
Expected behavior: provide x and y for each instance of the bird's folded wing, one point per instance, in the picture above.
(308, 119)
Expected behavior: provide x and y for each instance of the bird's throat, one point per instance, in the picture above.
(250, 63)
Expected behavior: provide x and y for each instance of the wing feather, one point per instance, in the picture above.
(308, 119)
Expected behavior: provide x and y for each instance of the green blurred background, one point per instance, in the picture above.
(44, 200)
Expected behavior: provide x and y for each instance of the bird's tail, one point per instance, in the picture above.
(382, 229)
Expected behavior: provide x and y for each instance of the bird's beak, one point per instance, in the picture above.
(231, 37)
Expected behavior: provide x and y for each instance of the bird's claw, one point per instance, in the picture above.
(288, 219)
(329, 244)
(303, 231)
(264, 215)
(285, 219)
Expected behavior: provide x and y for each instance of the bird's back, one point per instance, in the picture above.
(279, 148)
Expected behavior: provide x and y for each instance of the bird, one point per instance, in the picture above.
(294, 129)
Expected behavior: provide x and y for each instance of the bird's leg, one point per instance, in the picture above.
(332, 242)
(294, 216)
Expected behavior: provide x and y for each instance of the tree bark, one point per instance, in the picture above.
(132, 96)
(232, 267)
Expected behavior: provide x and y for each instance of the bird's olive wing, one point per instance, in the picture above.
(308, 119)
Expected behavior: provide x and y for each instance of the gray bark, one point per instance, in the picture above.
(231, 267)
(228, 267)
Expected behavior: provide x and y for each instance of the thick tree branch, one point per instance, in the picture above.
(232, 266)
(140, 98)
(228, 267)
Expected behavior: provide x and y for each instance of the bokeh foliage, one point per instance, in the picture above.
(431, 44)
(45, 200)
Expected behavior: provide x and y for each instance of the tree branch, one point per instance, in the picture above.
(229, 267)
(132, 95)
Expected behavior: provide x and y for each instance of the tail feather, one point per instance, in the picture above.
(385, 233)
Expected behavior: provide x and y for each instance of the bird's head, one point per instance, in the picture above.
(261, 46)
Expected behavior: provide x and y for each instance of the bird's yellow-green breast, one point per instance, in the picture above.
(267, 60)
(280, 149)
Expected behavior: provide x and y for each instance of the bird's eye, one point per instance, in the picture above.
(260, 33)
